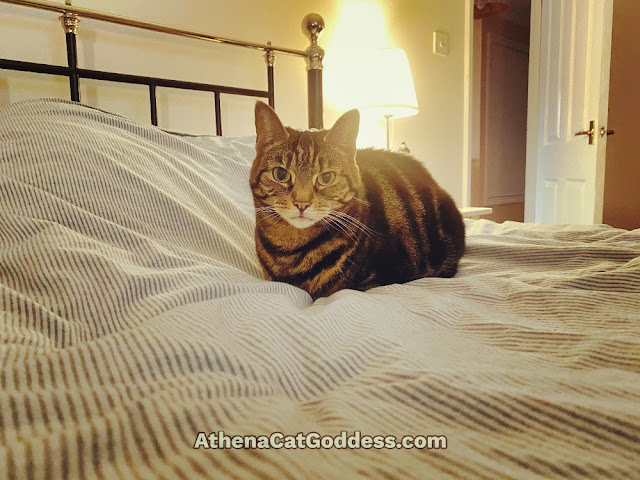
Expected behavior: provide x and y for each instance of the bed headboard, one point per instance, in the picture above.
(312, 26)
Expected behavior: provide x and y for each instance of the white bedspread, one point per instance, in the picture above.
(133, 315)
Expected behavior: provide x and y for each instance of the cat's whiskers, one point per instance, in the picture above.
(267, 213)
(354, 223)
(340, 221)
(364, 202)
(325, 223)
(329, 221)
(336, 227)
(343, 226)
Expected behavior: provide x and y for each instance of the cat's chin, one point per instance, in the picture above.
(301, 222)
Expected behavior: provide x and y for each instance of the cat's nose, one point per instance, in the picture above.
(302, 205)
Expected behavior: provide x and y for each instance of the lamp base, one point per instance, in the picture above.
(387, 121)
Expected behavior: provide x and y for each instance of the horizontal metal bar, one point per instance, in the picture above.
(155, 27)
(164, 82)
(124, 78)
(34, 67)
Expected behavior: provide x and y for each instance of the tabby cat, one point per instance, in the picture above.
(330, 216)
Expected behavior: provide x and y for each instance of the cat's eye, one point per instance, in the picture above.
(281, 174)
(326, 178)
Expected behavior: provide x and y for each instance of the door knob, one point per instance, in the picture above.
(591, 132)
(604, 131)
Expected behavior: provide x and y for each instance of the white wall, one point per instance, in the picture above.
(435, 135)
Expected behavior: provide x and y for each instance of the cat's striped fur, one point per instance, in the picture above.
(379, 218)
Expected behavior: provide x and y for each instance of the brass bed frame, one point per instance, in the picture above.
(312, 24)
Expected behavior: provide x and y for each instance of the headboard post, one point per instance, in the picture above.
(270, 58)
(70, 22)
(312, 26)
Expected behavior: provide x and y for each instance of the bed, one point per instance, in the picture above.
(141, 340)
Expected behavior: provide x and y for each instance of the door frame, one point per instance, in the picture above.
(532, 203)
(467, 111)
(603, 110)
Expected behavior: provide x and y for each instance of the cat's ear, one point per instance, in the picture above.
(269, 128)
(344, 132)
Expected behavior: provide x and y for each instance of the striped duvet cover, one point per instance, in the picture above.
(138, 333)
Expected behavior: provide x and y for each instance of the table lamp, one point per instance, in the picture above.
(389, 91)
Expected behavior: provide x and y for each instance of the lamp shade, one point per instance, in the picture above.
(387, 88)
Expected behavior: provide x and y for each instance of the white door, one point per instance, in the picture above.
(570, 89)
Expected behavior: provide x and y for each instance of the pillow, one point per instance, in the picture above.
(114, 180)
(104, 217)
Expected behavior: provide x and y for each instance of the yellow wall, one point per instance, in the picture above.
(123, 49)
(435, 135)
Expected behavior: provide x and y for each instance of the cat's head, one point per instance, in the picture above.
(307, 176)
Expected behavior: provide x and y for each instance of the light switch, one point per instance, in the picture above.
(441, 43)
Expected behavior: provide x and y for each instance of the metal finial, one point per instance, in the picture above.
(312, 27)
(270, 57)
(69, 20)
